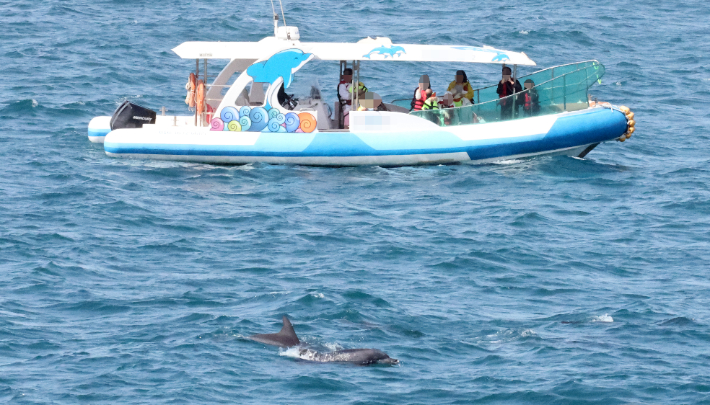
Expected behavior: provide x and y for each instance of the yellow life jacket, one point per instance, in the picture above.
(431, 104)
(360, 88)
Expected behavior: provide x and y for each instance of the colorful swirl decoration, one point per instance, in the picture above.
(234, 126)
(273, 113)
(229, 114)
(275, 126)
(308, 122)
(217, 124)
(292, 122)
(245, 123)
(275, 121)
(259, 119)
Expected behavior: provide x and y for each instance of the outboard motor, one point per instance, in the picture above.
(129, 115)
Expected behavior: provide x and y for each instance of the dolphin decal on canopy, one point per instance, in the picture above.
(500, 56)
(386, 51)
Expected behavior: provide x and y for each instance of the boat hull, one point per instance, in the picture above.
(566, 133)
(99, 127)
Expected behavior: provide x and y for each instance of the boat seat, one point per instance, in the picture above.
(243, 98)
(256, 95)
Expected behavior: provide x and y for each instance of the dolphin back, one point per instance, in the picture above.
(286, 337)
(363, 357)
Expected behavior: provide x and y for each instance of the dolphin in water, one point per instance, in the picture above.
(286, 337)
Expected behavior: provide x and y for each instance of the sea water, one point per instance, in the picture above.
(546, 280)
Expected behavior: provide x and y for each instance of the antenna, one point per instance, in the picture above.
(276, 19)
(288, 34)
(282, 12)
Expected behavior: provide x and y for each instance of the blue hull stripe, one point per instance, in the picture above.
(98, 132)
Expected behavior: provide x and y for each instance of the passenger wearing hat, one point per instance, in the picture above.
(461, 89)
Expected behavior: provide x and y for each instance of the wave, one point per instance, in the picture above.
(606, 318)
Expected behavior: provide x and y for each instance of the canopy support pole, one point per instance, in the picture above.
(341, 116)
(197, 76)
(204, 101)
(356, 87)
(515, 99)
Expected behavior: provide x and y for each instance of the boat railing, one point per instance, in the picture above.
(565, 91)
(489, 93)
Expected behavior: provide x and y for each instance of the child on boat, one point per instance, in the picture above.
(431, 105)
(449, 116)
(371, 102)
(531, 104)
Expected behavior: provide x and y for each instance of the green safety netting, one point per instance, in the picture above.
(557, 89)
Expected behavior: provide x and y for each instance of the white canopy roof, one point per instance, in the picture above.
(381, 49)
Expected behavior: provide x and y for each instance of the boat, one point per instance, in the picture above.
(240, 119)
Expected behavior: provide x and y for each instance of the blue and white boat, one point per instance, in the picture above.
(245, 123)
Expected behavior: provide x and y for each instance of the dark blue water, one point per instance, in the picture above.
(550, 280)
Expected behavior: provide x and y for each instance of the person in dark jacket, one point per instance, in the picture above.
(507, 87)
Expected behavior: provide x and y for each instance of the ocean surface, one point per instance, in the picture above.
(547, 280)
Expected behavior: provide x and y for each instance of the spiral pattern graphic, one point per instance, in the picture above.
(279, 117)
(217, 125)
(229, 114)
(234, 126)
(244, 111)
(273, 113)
(259, 119)
(308, 122)
(245, 122)
(292, 122)
(274, 125)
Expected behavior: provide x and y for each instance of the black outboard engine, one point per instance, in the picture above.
(129, 115)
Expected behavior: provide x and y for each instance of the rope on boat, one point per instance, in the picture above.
(630, 122)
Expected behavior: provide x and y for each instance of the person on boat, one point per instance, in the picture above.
(419, 93)
(345, 95)
(371, 102)
(449, 116)
(531, 101)
(461, 89)
(507, 87)
(448, 101)
(431, 107)
(431, 103)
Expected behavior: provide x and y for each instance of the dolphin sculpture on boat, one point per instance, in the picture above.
(286, 337)
(278, 69)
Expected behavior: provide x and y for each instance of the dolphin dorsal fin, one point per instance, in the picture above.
(287, 331)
